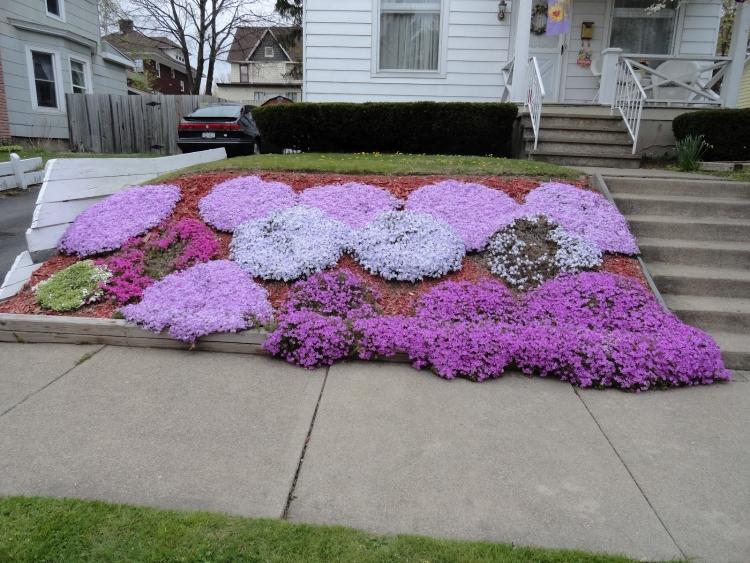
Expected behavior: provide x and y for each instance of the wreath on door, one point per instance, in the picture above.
(539, 19)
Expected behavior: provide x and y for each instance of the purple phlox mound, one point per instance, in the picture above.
(352, 203)
(454, 302)
(242, 199)
(584, 213)
(212, 297)
(107, 225)
(408, 246)
(474, 211)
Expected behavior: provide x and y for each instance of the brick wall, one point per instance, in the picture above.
(4, 125)
(165, 83)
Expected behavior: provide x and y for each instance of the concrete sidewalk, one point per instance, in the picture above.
(384, 448)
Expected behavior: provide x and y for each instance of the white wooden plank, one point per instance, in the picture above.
(85, 188)
(57, 212)
(27, 165)
(9, 291)
(20, 275)
(29, 179)
(45, 238)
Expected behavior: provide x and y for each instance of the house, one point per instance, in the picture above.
(264, 64)
(49, 48)
(159, 61)
(597, 54)
(743, 100)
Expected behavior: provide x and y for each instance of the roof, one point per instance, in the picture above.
(135, 41)
(246, 39)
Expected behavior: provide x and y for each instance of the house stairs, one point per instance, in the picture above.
(579, 135)
(694, 236)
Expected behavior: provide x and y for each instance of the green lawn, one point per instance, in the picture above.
(41, 529)
(396, 164)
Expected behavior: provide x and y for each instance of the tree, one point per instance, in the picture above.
(291, 10)
(203, 26)
(110, 12)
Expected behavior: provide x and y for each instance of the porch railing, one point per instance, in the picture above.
(629, 98)
(534, 96)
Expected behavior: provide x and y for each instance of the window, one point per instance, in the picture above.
(44, 78)
(259, 96)
(79, 76)
(172, 70)
(639, 32)
(138, 65)
(182, 85)
(268, 51)
(409, 35)
(244, 73)
(158, 70)
(56, 9)
(292, 96)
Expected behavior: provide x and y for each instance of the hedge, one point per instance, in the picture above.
(407, 127)
(726, 130)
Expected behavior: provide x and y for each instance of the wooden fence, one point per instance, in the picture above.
(128, 124)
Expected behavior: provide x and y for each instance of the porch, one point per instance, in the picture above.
(628, 63)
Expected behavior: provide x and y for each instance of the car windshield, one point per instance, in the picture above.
(217, 111)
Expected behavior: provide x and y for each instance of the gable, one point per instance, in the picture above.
(268, 41)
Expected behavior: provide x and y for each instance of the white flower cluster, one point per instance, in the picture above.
(408, 246)
(289, 243)
(533, 249)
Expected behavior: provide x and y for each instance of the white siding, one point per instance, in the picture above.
(339, 48)
(744, 98)
(700, 28)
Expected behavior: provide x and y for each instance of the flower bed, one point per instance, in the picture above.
(468, 278)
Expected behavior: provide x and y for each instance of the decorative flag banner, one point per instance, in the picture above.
(558, 17)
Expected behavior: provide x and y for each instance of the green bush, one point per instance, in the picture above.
(727, 131)
(415, 128)
(690, 151)
(72, 287)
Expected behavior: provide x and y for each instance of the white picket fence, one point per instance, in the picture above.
(20, 173)
(72, 185)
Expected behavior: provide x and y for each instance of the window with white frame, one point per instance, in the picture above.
(79, 76)
(45, 79)
(158, 70)
(138, 65)
(259, 96)
(182, 85)
(636, 31)
(56, 8)
(244, 73)
(268, 51)
(409, 35)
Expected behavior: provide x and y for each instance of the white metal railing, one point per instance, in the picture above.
(629, 98)
(534, 96)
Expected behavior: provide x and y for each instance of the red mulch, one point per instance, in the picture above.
(396, 297)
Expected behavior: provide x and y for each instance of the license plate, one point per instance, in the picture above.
(209, 135)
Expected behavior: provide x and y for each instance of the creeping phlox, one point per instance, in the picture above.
(242, 199)
(290, 243)
(474, 211)
(352, 203)
(109, 224)
(533, 249)
(408, 246)
(72, 288)
(211, 297)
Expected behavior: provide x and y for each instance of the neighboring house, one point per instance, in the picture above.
(464, 50)
(744, 97)
(159, 61)
(265, 63)
(49, 48)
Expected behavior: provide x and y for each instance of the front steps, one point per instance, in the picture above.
(695, 238)
(580, 139)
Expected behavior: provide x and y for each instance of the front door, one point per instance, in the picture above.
(549, 51)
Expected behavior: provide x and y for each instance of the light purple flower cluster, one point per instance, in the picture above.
(315, 328)
(242, 199)
(212, 297)
(107, 225)
(474, 211)
(352, 203)
(584, 213)
(408, 246)
(289, 243)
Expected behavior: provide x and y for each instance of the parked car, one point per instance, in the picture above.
(228, 126)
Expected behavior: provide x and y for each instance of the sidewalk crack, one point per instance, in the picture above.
(627, 468)
(290, 497)
(87, 356)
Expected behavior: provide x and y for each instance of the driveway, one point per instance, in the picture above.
(380, 447)
(16, 210)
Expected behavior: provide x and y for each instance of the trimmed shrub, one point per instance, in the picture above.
(413, 127)
(727, 131)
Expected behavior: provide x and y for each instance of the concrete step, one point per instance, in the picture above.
(581, 158)
(708, 229)
(596, 123)
(580, 134)
(683, 206)
(721, 254)
(735, 349)
(571, 145)
(718, 189)
(722, 314)
(694, 280)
